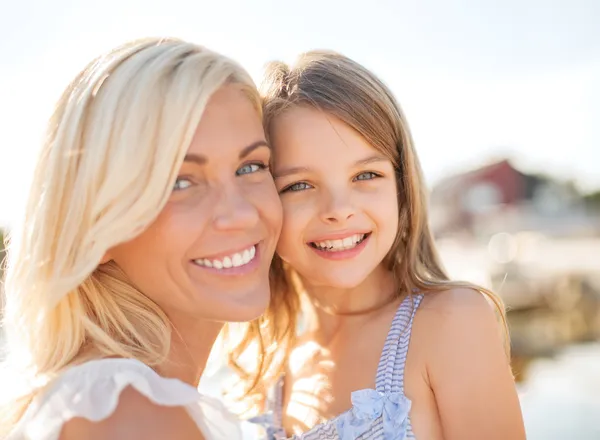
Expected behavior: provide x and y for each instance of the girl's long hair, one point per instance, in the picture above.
(345, 89)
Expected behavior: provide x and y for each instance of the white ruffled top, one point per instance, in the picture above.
(91, 391)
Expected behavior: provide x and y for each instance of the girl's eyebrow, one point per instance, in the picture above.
(371, 159)
(289, 171)
(297, 170)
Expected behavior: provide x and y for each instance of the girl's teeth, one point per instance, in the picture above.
(236, 260)
(340, 244)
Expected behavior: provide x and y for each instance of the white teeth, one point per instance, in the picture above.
(340, 244)
(236, 260)
(246, 256)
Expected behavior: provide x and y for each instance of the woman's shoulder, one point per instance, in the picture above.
(109, 397)
(135, 413)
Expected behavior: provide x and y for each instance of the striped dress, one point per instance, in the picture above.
(381, 414)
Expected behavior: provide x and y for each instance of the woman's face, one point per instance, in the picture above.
(207, 255)
(339, 199)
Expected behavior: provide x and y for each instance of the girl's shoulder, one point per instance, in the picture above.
(454, 299)
(457, 317)
(459, 327)
(108, 391)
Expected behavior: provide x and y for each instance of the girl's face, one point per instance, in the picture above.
(208, 253)
(339, 199)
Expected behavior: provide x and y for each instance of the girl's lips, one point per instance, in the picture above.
(344, 254)
(340, 235)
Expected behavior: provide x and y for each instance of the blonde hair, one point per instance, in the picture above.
(341, 87)
(113, 149)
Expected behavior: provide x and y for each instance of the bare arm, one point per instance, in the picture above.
(469, 371)
(135, 418)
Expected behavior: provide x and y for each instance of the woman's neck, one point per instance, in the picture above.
(191, 343)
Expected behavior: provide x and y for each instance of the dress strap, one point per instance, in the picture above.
(272, 419)
(390, 373)
(278, 431)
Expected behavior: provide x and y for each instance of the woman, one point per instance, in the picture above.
(392, 348)
(152, 219)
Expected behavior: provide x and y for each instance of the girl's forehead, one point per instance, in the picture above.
(304, 131)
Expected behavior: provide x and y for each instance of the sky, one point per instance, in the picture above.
(478, 80)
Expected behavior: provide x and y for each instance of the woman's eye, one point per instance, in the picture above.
(299, 186)
(181, 183)
(366, 176)
(251, 168)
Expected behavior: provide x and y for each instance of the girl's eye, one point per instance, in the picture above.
(251, 168)
(298, 186)
(366, 176)
(181, 183)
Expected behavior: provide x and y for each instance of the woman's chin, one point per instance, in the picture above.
(247, 308)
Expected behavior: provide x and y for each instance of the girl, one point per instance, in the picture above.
(391, 348)
(152, 219)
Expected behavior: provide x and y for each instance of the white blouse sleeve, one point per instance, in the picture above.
(92, 391)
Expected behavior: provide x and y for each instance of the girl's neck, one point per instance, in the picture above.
(333, 307)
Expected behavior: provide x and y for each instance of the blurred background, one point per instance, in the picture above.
(504, 102)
